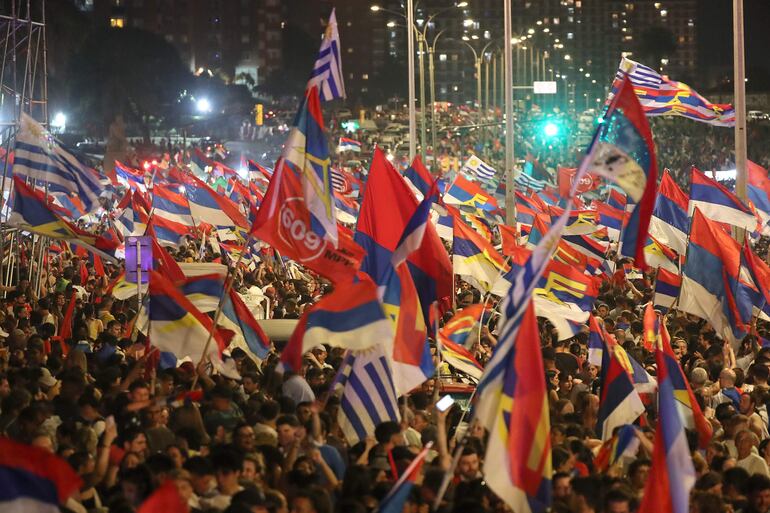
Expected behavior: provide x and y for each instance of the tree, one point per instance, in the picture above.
(127, 72)
(656, 43)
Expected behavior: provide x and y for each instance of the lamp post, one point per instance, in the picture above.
(432, 78)
(510, 198)
(477, 58)
(422, 42)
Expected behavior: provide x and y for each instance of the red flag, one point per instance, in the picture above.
(283, 221)
(508, 237)
(98, 266)
(83, 271)
(567, 176)
(165, 499)
(165, 264)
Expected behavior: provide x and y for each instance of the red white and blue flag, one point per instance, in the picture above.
(347, 144)
(670, 221)
(33, 479)
(716, 202)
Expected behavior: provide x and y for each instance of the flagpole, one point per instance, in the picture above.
(510, 197)
(228, 286)
(411, 92)
(739, 85)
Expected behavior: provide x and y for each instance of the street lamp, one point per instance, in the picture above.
(421, 40)
(477, 58)
(203, 105)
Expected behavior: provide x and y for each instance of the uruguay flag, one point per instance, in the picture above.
(717, 203)
(672, 467)
(670, 221)
(350, 317)
(34, 480)
(713, 287)
(625, 154)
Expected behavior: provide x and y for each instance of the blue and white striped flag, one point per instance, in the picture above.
(327, 71)
(339, 182)
(38, 156)
(477, 167)
(369, 395)
(524, 181)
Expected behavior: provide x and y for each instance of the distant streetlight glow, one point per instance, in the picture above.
(462, 4)
(391, 24)
(375, 8)
(203, 105)
(59, 121)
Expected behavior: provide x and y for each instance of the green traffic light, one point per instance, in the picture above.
(551, 129)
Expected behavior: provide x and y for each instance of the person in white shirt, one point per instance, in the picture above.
(748, 459)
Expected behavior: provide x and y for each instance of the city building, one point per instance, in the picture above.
(226, 37)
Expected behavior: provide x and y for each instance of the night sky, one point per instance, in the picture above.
(715, 40)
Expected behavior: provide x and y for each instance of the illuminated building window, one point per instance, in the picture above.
(118, 22)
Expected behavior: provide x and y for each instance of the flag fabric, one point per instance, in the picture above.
(593, 248)
(203, 291)
(474, 258)
(33, 479)
(176, 326)
(418, 178)
(667, 285)
(660, 96)
(671, 459)
(617, 199)
(412, 361)
(347, 144)
(660, 256)
(31, 212)
(513, 402)
(713, 284)
(624, 443)
(209, 207)
(167, 232)
(478, 168)
(134, 178)
(283, 221)
(508, 239)
(39, 156)
(462, 325)
(759, 193)
(340, 182)
(517, 465)
(396, 498)
(350, 317)
(619, 401)
(565, 296)
(237, 316)
(327, 70)
(716, 202)
(461, 359)
(387, 207)
(464, 193)
(670, 221)
(691, 415)
(759, 272)
(526, 181)
(171, 204)
(369, 394)
(566, 177)
(596, 342)
(165, 499)
(611, 218)
(307, 152)
(625, 155)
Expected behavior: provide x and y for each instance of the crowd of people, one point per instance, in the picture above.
(101, 398)
(271, 443)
